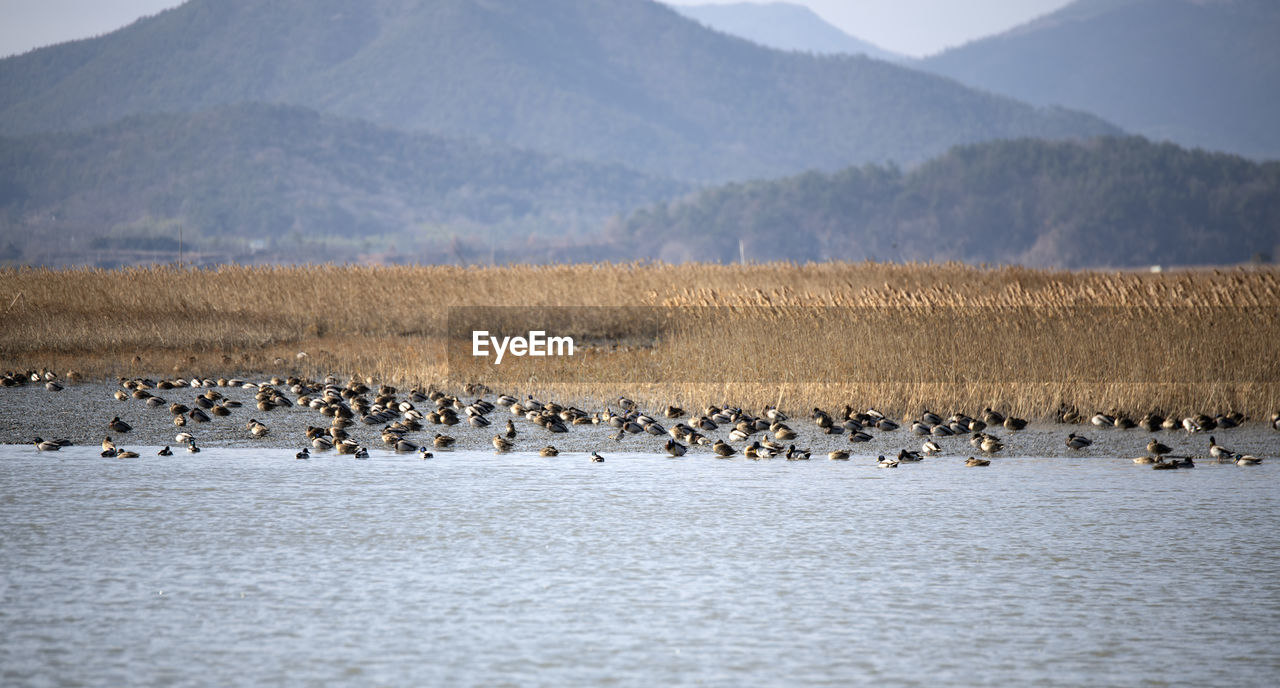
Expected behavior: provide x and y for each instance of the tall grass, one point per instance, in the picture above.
(900, 337)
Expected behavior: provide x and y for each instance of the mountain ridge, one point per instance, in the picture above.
(630, 81)
(1202, 74)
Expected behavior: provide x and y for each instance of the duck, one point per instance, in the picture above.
(722, 449)
(1102, 420)
(46, 445)
(256, 428)
(1075, 441)
(904, 455)
(362, 454)
(502, 444)
(117, 425)
(674, 448)
(322, 443)
(1160, 465)
(443, 441)
(304, 454)
(974, 461)
(991, 445)
(794, 454)
(1014, 424)
(882, 462)
(511, 430)
(886, 425)
(404, 446)
(126, 454)
(860, 436)
(596, 458)
(1159, 449)
(166, 451)
(548, 451)
(931, 447)
(1145, 459)
(920, 428)
(192, 448)
(838, 455)
(1247, 460)
(1219, 452)
(424, 453)
(1184, 462)
(992, 417)
(108, 443)
(108, 453)
(1151, 422)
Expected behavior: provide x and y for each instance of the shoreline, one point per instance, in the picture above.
(80, 413)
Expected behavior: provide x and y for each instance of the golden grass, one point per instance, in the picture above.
(900, 337)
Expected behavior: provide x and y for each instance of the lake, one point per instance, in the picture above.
(245, 567)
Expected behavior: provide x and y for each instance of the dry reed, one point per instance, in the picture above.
(900, 337)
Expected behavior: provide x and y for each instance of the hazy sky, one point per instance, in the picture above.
(911, 27)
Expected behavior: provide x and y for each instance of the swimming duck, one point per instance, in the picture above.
(424, 453)
(1145, 459)
(904, 455)
(596, 458)
(108, 453)
(1247, 460)
(45, 445)
(1160, 465)
(794, 454)
(838, 455)
(882, 462)
(674, 448)
(974, 461)
(548, 451)
(126, 454)
(362, 454)
(304, 454)
(1184, 462)
(191, 447)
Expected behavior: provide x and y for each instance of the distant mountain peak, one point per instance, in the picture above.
(784, 26)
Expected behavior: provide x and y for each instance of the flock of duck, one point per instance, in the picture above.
(770, 434)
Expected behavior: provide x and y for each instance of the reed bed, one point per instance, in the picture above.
(899, 337)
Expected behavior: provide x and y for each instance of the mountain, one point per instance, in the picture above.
(1197, 72)
(1111, 202)
(281, 183)
(624, 81)
(783, 26)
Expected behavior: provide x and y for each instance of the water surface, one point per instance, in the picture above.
(244, 567)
